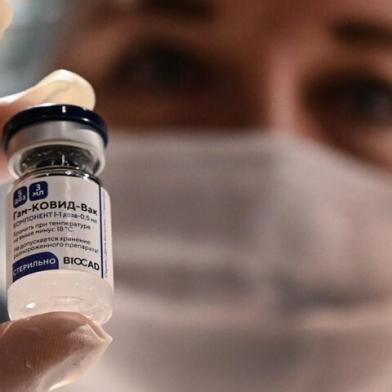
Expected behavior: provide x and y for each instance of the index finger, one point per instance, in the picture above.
(48, 350)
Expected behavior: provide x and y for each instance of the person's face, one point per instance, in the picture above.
(319, 69)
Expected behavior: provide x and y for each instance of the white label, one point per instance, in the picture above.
(58, 222)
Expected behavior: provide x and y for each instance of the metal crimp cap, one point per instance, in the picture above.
(54, 124)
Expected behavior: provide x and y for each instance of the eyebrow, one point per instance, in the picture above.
(363, 33)
(187, 9)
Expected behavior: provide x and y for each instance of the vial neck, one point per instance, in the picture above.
(59, 156)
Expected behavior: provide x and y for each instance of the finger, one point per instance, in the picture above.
(48, 351)
(5, 16)
(59, 87)
(6, 112)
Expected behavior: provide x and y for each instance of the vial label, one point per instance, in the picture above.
(58, 222)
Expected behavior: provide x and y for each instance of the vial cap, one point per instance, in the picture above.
(45, 113)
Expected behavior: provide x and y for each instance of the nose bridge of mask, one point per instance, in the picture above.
(238, 169)
(200, 189)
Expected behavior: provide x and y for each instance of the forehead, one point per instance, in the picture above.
(304, 7)
(251, 13)
(332, 9)
(272, 20)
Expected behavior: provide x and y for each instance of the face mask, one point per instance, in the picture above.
(249, 264)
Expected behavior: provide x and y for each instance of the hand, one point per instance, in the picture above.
(48, 351)
(6, 14)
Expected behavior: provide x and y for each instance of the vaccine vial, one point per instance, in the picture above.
(58, 226)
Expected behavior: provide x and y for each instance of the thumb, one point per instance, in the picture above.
(5, 15)
(48, 351)
(7, 110)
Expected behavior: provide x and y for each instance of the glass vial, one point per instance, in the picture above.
(58, 226)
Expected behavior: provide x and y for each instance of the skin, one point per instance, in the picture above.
(6, 112)
(46, 350)
(318, 70)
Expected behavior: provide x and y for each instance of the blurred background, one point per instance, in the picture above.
(319, 71)
(27, 48)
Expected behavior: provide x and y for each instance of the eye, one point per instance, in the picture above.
(358, 100)
(163, 69)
